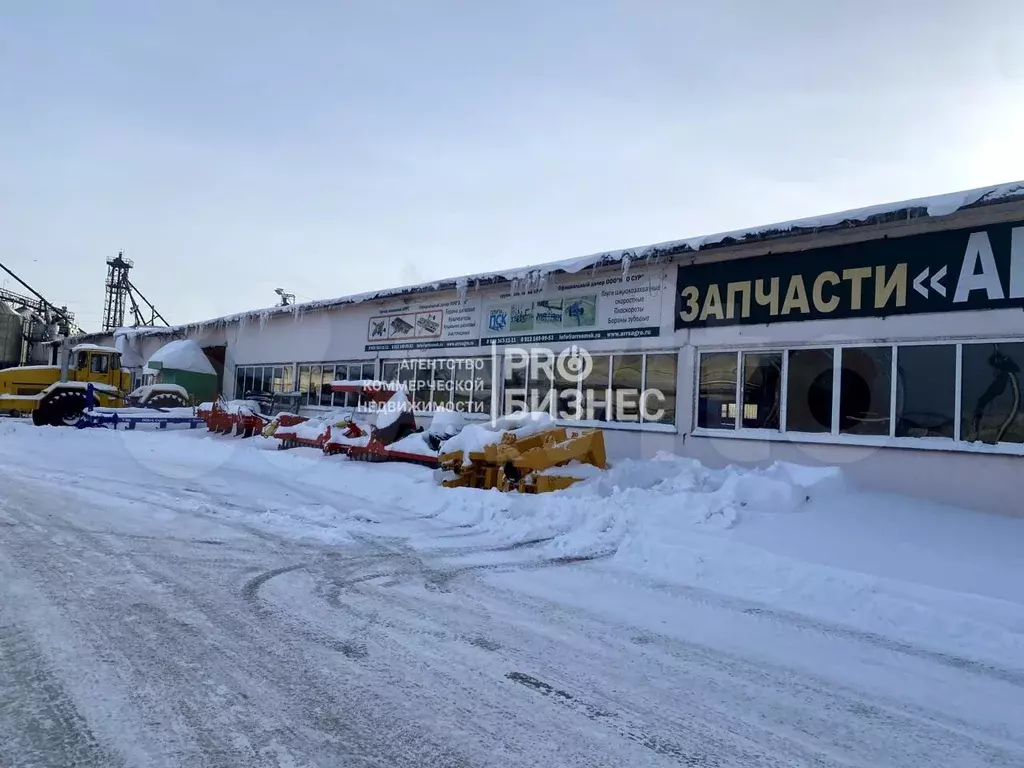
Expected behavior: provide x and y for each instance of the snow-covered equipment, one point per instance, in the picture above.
(130, 417)
(240, 417)
(521, 458)
(57, 394)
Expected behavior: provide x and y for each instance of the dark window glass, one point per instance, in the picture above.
(716, 401)
(441, 389)
(421, 380)
(83, 360)
(809, 391)
(257, 380)
(390, 370)
(594, 391)
(315, 380)
(659, 406)
(762, 390)
(248, 381)
(627, 383)
(540, 387)
(99, 363)
(925, 390)
(304, 383)
(288, 382)
(277, 381)
(865, 391)
(482, 387)
(239, 382)
(463, 379)
(326, 393)
(991, 400)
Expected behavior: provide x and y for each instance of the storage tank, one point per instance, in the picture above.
(10, 336)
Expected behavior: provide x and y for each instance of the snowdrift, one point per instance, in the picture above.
(607, 512)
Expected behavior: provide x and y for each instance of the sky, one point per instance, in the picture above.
(231, 147)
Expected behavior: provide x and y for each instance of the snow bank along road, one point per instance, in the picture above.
(181, 600)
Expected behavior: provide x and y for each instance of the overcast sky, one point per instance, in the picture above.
(335, 147)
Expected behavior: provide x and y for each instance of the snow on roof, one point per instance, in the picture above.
(183, 355)
(530, 276)
(93, 348)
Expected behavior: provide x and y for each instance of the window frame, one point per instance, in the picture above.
(834, 436)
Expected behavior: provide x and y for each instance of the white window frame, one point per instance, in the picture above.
(955, 444)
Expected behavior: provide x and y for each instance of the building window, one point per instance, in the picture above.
(660, 374)
(991, 401)
(326, 393)
(288, 379)
(809, 390)
(865, 390)
(483, 387)
(762, 390)
(303, 387)
(716, 398)
(441, 385)
(925, 390)
(626, 385)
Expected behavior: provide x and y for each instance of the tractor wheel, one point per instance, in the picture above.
(66, 408)
(41, 416)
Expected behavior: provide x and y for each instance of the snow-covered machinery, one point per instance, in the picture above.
(239, 417)
(57, 395)
(524, 458)
(395, 436)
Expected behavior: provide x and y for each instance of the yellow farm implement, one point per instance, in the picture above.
(550, 460)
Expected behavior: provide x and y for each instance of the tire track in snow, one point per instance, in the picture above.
(40, 725)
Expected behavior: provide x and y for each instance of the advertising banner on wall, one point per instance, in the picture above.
(622, 306)
(967, 269)
(450, 323)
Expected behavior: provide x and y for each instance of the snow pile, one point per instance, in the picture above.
(143, 393)
(391, 410)
(621, 510)
(234, 407)
(474, 437)
(445, 424)
(316, 427)
(183, 355)
(416, 444)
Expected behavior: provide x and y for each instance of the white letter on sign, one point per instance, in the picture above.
(979, 251)
(1017, 263)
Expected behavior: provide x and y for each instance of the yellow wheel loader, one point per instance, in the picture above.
(57, 395)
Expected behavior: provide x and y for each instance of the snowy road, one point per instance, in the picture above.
(169, 601)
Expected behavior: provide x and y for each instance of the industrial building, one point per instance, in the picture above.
(888, 341)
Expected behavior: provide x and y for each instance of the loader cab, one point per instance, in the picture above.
(98, 365)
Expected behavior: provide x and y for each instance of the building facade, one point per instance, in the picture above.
(888, 341)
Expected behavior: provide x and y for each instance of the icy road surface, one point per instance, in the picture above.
(181, 600)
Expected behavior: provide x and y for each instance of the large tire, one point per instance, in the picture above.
(41, 416)
(66, 408)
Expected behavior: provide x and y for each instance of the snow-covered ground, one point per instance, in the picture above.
(180, 599)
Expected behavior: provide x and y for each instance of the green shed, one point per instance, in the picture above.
(184, 363)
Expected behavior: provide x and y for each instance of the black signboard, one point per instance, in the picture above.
(980, 268)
